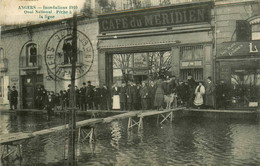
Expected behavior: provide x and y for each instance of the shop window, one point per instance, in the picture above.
(1, 86)
(243, 30)
(192, 52)
(245, 86)
(196, 73)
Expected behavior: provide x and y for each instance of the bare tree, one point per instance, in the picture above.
(122, 62)
(106, 6)
(160, 64)
(86, 10)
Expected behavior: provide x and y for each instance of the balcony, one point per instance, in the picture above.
(4, 65)
(26, 63)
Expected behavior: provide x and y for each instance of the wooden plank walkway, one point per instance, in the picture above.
(121, 116)
(9, 138)
(150, 113)
(62, 111)
(12, 137)
(222, 111)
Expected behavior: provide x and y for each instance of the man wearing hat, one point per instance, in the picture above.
(144, 93)
(192, 85)
(209, 94)
(90, 95)
(14, 96)
(122, 95)
(82, 94)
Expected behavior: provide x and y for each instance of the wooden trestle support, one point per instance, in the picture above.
(167, 115)
(13, 148)
(84, 134)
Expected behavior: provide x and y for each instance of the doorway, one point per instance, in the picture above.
(29, 86)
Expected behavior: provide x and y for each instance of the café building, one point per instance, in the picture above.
(147, 44)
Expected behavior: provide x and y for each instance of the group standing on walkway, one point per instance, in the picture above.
(132, 96)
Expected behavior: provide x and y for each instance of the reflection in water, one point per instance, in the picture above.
(187, 141)
(116, 134)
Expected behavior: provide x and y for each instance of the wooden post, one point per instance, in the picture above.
(91, 135)
(72, 124)
(140, 125)
(79, 134)
(129, 123)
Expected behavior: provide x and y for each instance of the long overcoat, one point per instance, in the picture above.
(159, 95)
(122, 94)
(209, 94)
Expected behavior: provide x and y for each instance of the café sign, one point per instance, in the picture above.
(156, 17)
(239, 48)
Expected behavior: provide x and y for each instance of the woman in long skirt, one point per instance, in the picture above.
(115, 96)
(159, 95)
(199, 92)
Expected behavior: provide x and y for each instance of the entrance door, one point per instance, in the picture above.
(29, 85)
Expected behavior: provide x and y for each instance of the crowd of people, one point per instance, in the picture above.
(132, 96)
(152, 95)
(87, 97)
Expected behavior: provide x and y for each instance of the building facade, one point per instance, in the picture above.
(238, 51)
(35, 56)
(152, 43)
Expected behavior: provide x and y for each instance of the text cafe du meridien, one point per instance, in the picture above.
(155, 17)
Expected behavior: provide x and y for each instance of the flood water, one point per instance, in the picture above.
(185, 141)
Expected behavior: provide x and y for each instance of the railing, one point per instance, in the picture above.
(27, 63)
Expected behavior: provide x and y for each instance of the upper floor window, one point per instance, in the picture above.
(192, 52)
(243, 30)
(256, 31)
(31, 54)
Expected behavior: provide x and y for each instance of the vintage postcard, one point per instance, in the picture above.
(129, 82)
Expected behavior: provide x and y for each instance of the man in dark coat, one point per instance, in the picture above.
(33, 55)
(43, 97)
(122, 96)
(82, 96)
(137, 101)
(152, 90)
(38, 98)
(104, 98)
(96, 97)
(222, 92)
(210, 94)
(67, 51)
(14, 97)
(183, 93)
(90, 95)
(192, 85)
(131, 95)
(77, 97)
(9, 96)
(144, 93)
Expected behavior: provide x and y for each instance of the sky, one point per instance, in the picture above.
(12, 12)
